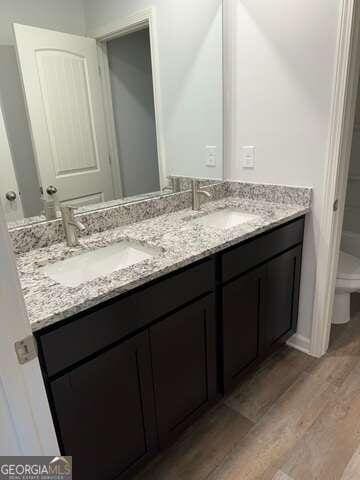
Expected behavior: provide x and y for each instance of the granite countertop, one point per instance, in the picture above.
(179, 241)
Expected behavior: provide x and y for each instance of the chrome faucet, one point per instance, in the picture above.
(71, 225)
(196, 194)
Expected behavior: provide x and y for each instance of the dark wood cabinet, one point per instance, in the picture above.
(183, 352)
(64, 345)
(259, 307)
(282, 296)
(105, 411)
(126, 377)
(242, 301)
(246, 255)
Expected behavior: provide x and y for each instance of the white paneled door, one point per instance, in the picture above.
(26, 427)
(64, 98)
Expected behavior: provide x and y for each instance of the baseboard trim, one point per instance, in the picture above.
(300, 343)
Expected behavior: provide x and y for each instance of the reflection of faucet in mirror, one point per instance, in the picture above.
(173, 185)
(196, 194)
(50, 202)
(49, 209)
(71, 225)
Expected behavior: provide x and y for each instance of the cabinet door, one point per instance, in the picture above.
(183, 348)
(282, 296)
(242, 306)
(105, 411)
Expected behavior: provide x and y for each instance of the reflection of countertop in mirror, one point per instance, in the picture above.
(178, 239)
(86, 209)
(185, 185)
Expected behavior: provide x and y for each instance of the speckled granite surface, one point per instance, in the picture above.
(185, 184)
(179, 240)
(271, 193)
(43, 234)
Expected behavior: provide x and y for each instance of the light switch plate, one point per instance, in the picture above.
(211, 153)
(248, 156)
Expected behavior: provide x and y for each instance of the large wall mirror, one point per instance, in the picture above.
(107, 100)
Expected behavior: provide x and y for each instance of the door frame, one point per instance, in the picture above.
(120, 27)
(109, 120)
(347, 69)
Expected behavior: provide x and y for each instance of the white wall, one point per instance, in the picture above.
(189, 46)
(134, 113)
(63, 15)
(279, 70)
(352, 205)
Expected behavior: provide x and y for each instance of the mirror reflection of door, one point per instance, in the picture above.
(64, 99)
(65, 95)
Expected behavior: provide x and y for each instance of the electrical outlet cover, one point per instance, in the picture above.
(210, 156)
(248, 156)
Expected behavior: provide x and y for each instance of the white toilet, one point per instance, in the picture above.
(347, 282)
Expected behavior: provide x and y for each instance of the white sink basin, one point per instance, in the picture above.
(103, 261)
(227, 218)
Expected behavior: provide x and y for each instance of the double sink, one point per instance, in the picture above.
(87, 266)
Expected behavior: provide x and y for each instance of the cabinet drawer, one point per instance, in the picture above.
(103, 325)
(257, 250)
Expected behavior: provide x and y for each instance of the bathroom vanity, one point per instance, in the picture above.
(126, 376)
(172, 283)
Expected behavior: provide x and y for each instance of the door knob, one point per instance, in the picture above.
(51, 190)
(10, 195)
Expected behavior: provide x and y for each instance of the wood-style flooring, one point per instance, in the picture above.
(296, 418)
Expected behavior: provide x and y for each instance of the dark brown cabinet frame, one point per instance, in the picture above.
(164, 352)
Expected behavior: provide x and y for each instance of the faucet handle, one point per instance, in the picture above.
(69, 211)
